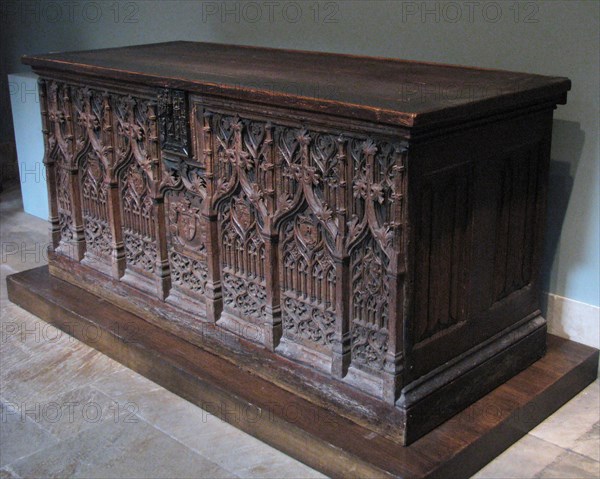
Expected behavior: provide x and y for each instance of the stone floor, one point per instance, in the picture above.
(69, 411)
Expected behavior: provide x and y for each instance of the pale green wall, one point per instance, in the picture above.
(551, 37)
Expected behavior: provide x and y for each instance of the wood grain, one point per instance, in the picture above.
(376, 89)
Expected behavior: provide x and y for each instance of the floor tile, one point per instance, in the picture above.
(8, 473)
(47, 371)
(20, 436)
(523, 459)
(571, 465)
(131, 450)
(572, 426)
(588, 444)
(278, 467)
(70, 413)
(202, 432)
(161, 408)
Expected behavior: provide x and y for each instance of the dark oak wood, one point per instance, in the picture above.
(313, 434)
(381, 249)
(384, 90)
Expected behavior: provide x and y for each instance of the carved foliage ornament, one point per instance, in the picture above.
(137, 158)
(309, 200)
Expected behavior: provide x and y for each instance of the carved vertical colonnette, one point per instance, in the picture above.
(205, 141)
(110, 131)
(61, 152)
(273, 327)
(394, 361)
(142, 204)
(163, 275)
(342, 343)
(51, 168)
(377, 259)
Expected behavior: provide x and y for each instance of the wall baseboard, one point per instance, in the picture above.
(572, 319)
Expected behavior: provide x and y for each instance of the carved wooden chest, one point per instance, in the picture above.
(364, 232)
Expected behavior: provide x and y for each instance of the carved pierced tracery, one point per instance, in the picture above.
(65, 219)
(60, 151)
(307, 190)
(95, 208)
(370, 301)
(94, 144)
(243, 163)
(308, 282)
(242, 259)
(374, 231)
(136, 155)
(138, 220)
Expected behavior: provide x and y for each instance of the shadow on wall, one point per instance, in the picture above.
(567, 145)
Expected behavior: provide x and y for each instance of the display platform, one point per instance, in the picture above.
(312, 434)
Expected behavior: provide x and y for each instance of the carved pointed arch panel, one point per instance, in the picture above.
(308, 195)
(98, 236)
(243, 164)
(376, 243)
(243, 262)
(93, 127)
(369, 305)
(308, 282)
(138, 218)
(136, 161)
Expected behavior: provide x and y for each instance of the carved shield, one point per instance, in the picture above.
(187, 226)
(242, 215)
(306, 231)
(94, 169)
(136, 181)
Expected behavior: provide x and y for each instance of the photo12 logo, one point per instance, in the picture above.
(469, 12)
(69, 412)
(33, 12)
(270, 12)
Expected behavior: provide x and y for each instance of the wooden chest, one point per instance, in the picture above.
(366, 233)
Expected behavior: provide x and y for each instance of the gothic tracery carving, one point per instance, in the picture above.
(137, 158)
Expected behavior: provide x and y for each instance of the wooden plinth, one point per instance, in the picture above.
(311, 434)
